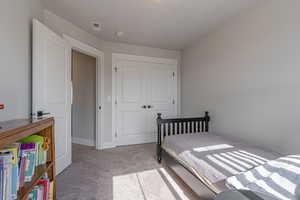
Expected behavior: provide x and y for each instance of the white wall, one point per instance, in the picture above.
(15, 56)
(62, 26)
(84, 97)
(247, 74)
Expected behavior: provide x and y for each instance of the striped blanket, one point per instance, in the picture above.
(219, 162)
(215, 157)
(279, 178)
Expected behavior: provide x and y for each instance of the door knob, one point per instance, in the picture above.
(144, 106)
(149, 106)
(40, 114)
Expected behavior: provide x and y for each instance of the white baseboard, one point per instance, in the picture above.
(83, 141)
(108, 145)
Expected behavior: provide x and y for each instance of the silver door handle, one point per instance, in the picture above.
(144, 106)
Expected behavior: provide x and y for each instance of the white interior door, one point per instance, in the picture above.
(143, 89)
(131, 102)
(161, 95)
(51, 87)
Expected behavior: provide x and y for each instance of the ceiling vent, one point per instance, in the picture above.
(97, 26)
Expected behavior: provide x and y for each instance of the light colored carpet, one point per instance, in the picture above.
(124, 173)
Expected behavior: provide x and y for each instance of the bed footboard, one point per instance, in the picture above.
(177, 126)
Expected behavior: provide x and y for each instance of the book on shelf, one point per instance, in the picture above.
(50, 192)
(9, 173)
(29, 151)
(40, 190)
(17, 166)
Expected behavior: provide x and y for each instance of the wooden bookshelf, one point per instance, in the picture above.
(15, 130)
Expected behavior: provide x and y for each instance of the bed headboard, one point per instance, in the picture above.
(178, 126)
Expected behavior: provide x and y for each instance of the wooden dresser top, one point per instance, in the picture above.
(14, 129)
(21, 123)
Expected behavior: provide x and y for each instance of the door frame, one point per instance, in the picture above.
(119, 56)
(99, 55)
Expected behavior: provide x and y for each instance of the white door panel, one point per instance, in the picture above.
(142, 83)
(131, 117)
(133, 122)
(51, 87)
(161, 95)
(132, 127)
(161, 87)
(131, 85)
(60, 142)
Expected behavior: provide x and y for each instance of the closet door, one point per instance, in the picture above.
(131, 103)
(144, 87)
(161, 93)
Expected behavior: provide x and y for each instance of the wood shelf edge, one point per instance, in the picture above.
(13, 132)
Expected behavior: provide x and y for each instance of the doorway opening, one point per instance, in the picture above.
(83, 78)
(96, 57)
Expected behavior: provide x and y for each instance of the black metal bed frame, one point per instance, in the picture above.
(178, 126)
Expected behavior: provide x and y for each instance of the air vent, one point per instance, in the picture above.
(97, 26)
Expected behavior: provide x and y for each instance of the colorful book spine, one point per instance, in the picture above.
(13, 150)
(45, 184)
(17, 166)
(22, 170)
(36, 193)
(50, 190)
(42, 144)
(7, 180)
(40, 191)
(1, 177)
(4, 180)
(29, 151)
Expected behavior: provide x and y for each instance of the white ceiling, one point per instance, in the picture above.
(169, 24)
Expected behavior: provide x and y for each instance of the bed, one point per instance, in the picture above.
(206, 162)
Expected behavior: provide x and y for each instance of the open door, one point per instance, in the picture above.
(51, 87)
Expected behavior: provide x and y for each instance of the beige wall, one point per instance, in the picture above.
(62, 26)
(15, 56)
(247, 74)
(84, 97)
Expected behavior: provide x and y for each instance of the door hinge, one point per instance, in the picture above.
(173, 75)
(173, 102)
(116, 102)
(116, 69)
(116, 134)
